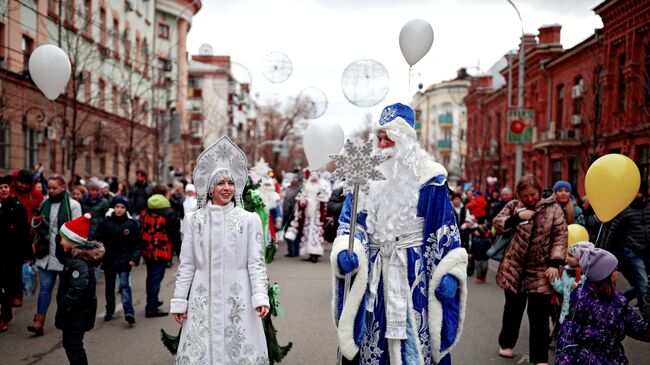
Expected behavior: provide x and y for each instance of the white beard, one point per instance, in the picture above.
(311, 195)
(392, 204)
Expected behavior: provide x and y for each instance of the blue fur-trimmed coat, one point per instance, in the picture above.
(433, 328)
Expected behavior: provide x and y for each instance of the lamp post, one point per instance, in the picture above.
(520, 93)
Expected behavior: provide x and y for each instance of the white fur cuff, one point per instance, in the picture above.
(341, 243)
(260, 300)
(178, 306)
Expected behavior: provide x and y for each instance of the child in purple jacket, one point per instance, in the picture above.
(599, 317)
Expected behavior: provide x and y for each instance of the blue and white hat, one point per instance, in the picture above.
(398, 117)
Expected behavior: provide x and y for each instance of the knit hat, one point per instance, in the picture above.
(561, 184)
(579, 248)
(6, 180)
(597, 264)
(190, 188)
(76, 230)
(121, 199)
(25, 176)
(93, 184)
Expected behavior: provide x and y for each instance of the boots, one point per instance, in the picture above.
(37, 326)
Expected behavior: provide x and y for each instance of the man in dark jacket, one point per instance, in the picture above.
(629, 237)
(160, 233)
(334, 207)
(121, 237)
(95, 204)
(76, 298)
(288, 204)
(15, 246)
(139, 193)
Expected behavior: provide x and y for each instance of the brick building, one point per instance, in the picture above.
(129, 77)
(590, 100)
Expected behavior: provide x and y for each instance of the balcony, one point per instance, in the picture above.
(443, 144)
(445, 119)
(418, 126)
(568, 137)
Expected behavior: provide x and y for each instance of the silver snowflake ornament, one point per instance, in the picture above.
(357, 165)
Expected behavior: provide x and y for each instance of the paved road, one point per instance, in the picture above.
(305, 297)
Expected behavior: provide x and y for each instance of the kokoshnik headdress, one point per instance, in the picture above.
(222, 159)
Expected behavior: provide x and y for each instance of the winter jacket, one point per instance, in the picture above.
(121, 239)
(631, 229)
(31, 201)
(15, 241)
(159, 229)
(481, 243)
(288, 205)
(564, 287)
(97, 208)
(334, 207)
(535, 246)
(594, 328)
(138, 195)
(477, 206)
(76, 298)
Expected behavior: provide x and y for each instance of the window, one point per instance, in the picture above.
(115, 94)
(103, 27)
(163, 31)
(116, 38)
(462, 134)
(31, 148)
(598, 93)
(146, 56)
(2, 45)
(101, 100)
(646, 78)
(88, 17)
(138, 52)
(87, 87)
(127, 45)
(102, 163)
(69, 11)
(578, 90)
(559, 105)
(27, 48)
(53, 8)
(621, 102)
(116, 161)
(573, 174)
(557, 170)
(52, 160)
(87, 163)
(643, 161)
(4, 144)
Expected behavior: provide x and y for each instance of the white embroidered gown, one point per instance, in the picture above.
(221, 279)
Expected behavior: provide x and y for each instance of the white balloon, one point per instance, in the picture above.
(322, 138)
(415, 40)
(49, 67)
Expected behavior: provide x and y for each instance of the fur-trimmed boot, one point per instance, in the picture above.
(37, 326)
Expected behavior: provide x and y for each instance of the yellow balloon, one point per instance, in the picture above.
(577, 233)
(612, 183)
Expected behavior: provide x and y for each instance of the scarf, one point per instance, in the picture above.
(90, 200)
(64, 215)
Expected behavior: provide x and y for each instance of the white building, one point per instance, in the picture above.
(441, 123)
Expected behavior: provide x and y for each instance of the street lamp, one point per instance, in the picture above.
(520, 91)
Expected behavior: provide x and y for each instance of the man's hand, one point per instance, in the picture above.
(132, 263)
(347, 261)
(39, 218)
(263, 310)
(526, 215)
(180, 317)
(447, 289)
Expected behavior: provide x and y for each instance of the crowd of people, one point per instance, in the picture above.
(540, 270)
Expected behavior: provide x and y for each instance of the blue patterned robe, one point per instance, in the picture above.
(432, 327)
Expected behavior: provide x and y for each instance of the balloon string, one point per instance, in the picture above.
(409, 90)
(600, 230)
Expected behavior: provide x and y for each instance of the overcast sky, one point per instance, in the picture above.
(321, 37)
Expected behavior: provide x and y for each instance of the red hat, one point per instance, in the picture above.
(76, 230)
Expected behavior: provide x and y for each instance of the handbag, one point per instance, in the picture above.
(499, 247)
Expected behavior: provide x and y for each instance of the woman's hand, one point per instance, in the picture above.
(180, 317)
(526, 215)
(263, 310)
(551, 274)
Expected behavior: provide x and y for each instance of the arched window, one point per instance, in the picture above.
(577, 93)
(559, 105)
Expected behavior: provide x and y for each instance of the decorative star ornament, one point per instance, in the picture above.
(357, 165)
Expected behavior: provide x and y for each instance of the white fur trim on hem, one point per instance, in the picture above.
(352, 305)
(454, 263)
(178, 306)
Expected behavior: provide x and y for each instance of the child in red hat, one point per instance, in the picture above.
(76, 299)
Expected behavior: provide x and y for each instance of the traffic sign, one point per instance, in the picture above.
(520, 125)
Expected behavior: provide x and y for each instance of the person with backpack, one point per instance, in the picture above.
(159, 234)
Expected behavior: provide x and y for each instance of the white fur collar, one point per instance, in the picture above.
(429, 168)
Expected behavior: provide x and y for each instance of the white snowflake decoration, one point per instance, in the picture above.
(357, 165)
